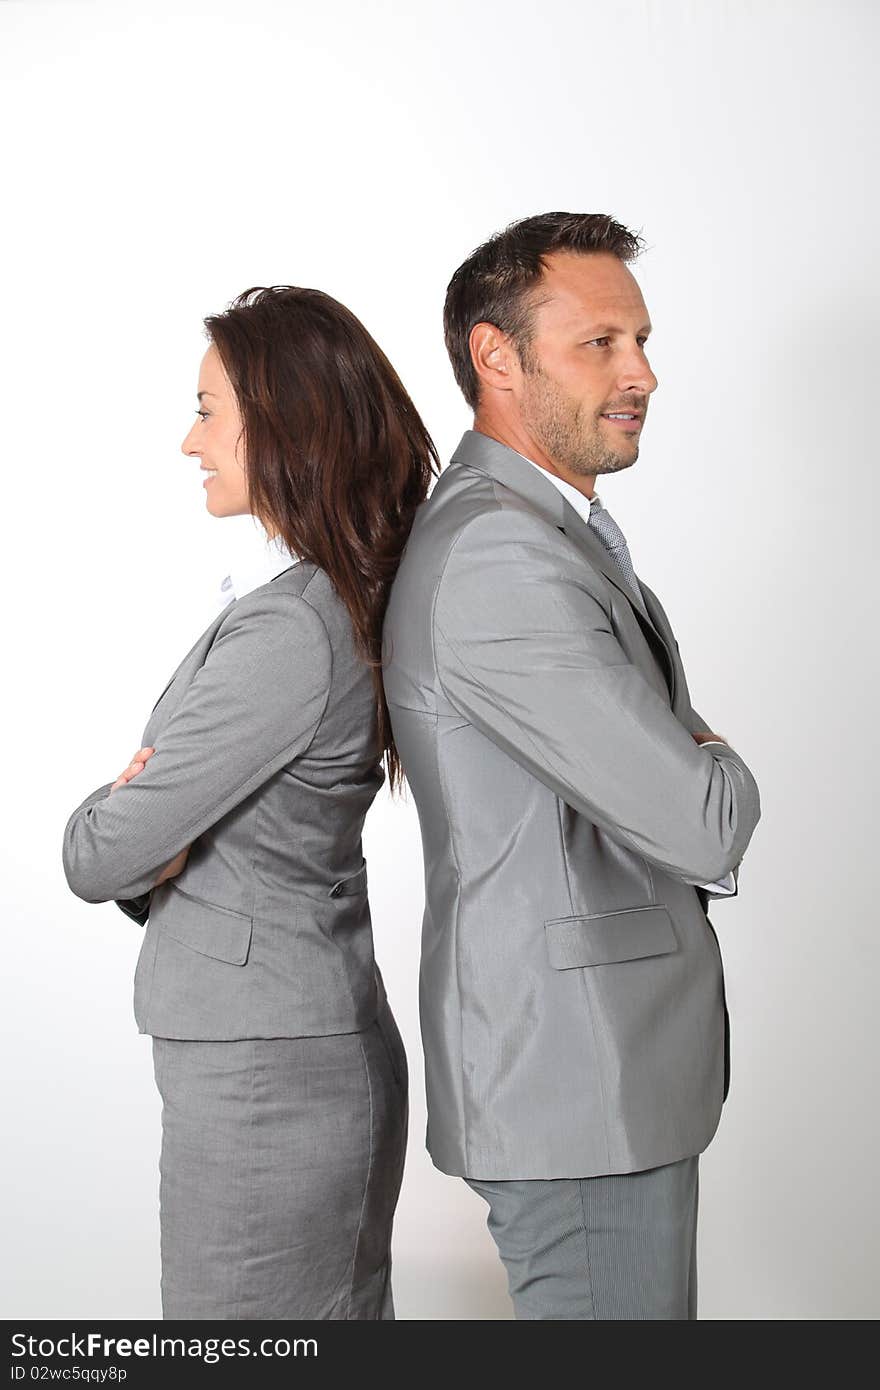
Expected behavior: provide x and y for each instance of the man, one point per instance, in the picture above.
(576, 812)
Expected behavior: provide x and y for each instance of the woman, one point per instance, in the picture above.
(235, 833)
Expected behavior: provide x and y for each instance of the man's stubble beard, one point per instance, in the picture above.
(559, 426)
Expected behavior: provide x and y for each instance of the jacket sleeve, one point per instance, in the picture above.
(255, 704)
(698, 725)
(136, 908)
(728, 887)
(526, 651)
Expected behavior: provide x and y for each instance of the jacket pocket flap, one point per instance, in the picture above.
(213, 931)
(607, 937)
(353, 883)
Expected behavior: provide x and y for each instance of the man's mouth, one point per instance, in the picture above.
(625, 419)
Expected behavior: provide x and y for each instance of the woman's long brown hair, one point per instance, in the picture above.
(337, 457)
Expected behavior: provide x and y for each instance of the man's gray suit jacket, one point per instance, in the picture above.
(572, 993)
(265, 764)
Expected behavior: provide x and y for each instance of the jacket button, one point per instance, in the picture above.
(336, 890)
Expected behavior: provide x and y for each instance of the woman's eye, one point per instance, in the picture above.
(203, 413)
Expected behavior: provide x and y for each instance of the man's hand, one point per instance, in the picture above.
(137, 764)
(704, 736)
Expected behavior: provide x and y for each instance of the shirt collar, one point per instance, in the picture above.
(254, 565)
(577, 499)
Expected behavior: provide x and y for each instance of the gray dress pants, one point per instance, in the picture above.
(621, 1246)
(280, 1169)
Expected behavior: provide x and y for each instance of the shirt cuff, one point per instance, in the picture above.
(722, 889)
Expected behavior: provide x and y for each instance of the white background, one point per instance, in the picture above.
(160, 159)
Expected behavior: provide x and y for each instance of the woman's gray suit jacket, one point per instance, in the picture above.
(264, 764)
(572, 994)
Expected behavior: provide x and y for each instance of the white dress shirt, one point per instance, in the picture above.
(254, 565)
(581, 505)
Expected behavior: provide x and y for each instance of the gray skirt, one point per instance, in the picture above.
(280, 1169)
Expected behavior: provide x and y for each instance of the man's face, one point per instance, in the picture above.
(586, 361)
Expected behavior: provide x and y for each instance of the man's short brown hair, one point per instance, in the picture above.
(495, 283)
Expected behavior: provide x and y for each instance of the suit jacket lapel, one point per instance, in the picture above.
(580, 532)
(506, 466)
(198, 648)
(661, 624)
(657, 634)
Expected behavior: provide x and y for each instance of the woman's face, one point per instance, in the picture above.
(216, 440)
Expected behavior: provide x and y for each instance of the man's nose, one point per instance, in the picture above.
(636, 374)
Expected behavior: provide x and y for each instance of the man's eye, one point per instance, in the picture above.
(596, 340)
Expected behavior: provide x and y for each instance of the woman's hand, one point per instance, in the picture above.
(137, 764)
(174, 868)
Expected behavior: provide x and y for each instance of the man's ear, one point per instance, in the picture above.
(494, 357)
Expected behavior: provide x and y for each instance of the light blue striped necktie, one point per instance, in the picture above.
(614, 541)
